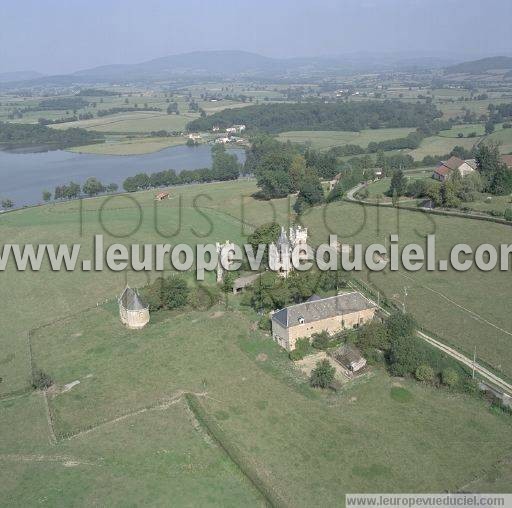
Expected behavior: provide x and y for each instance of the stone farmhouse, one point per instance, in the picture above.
(446, 168)
(134, 313)
(280, 253)
(332, 314)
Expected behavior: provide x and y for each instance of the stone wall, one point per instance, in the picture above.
(287, 337)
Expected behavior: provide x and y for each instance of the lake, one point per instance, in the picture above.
(24, 176)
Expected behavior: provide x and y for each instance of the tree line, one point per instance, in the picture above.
(91, 187)
(17, 135)
(225, 167)
(346, 116)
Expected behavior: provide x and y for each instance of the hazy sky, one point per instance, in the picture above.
(56, 36)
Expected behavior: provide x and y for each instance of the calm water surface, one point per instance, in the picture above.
(24, 176)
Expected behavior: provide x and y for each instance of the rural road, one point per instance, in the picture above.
(485, 373)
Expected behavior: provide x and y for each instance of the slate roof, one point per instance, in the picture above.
(322, 308)
(472, 163)
(130, 300)
(347, 354)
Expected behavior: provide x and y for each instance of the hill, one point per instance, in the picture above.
(194, 63)
(480, 66)
(236, 63)
(6, 77)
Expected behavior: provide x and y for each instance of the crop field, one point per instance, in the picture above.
(297, 440)
(324, 140)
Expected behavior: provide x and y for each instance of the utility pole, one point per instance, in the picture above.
(474, 361)
(403, 302)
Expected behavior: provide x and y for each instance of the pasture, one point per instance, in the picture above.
(324, 140)
(133, 145)
(440, 145)
(133, 122)
(298, 440)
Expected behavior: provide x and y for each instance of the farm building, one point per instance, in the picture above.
(332, 314)
(349, 357)
(445, 168)
(334, 182)
(507, 160)
(161, 196)
(134, 313)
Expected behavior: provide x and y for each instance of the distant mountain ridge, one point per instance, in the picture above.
(480, 66)
(6, 77)
(197, 62)
(237, 63)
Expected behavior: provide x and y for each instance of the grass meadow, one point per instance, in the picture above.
(324, 140)
(133, 145)
(310, 447)
(141, 121)
(363, 439)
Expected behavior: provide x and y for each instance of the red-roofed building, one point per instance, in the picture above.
(445, 168)
(507, 159)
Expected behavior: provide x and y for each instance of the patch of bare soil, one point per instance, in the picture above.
(217, 314)
(262, 357)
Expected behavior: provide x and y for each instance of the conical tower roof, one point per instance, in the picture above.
(130, 300)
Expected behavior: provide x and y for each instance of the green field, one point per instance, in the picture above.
(308, 447)
(284, 430)
(324, 140)
(378, 188)
(440, 145)
(503, 137)
(454, 132)
(115, 145)
(142, 121)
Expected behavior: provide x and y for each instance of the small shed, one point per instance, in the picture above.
(161, 196)
(242, 282)
(350, 357)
